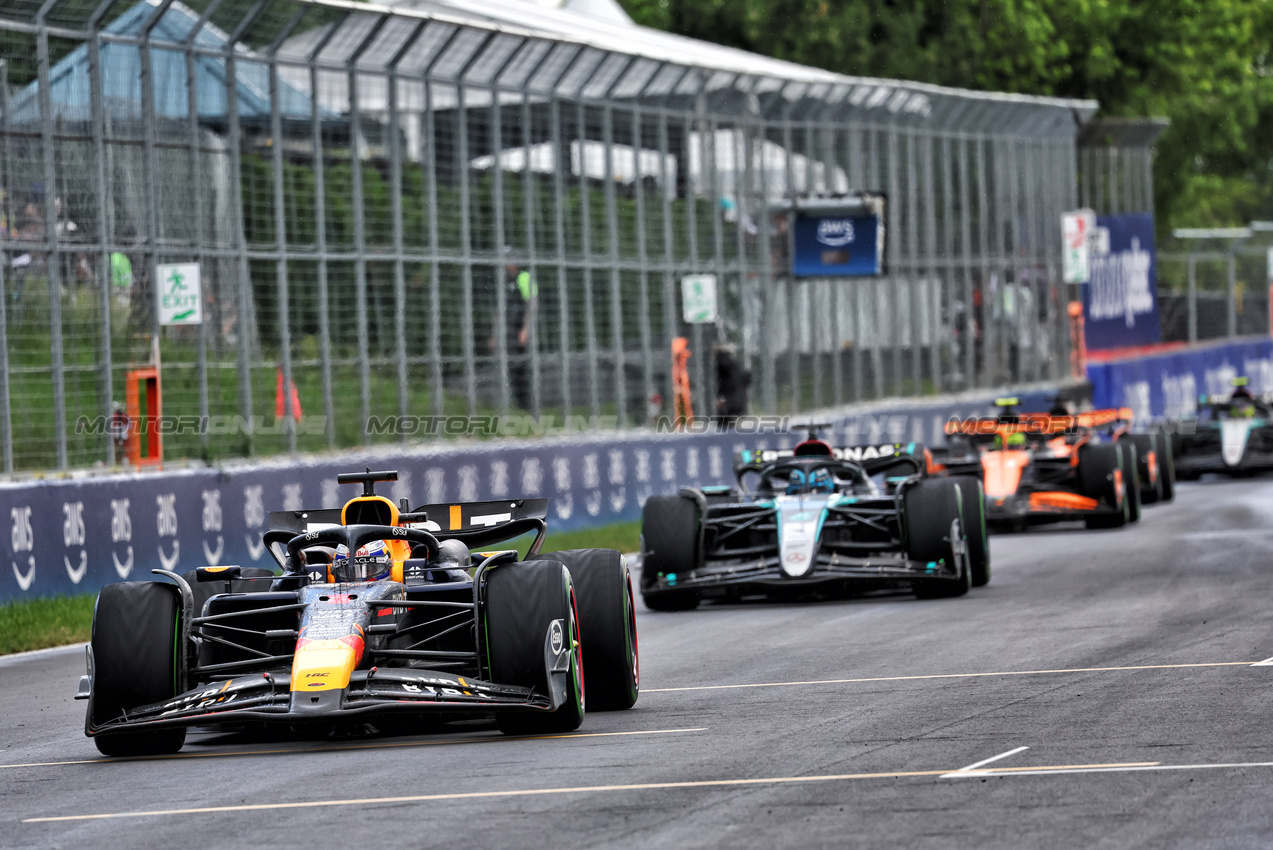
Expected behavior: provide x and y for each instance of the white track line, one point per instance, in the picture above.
(963, 771)
(1268, 662)
(1119, 769)
(18, 657)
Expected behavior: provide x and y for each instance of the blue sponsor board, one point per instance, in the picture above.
(1120, 299)
(76, 535)
(837, 246)
(1168, 385)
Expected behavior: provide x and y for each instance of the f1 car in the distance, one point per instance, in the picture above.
(1041, 468)
(813, 520)
(378, 613)
(1230, 434)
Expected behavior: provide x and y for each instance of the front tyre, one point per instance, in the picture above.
(1101, 477)
(973, 497)
(934, 533)
(607, 624)
(136, 629)
(522, 601)
(669, 547)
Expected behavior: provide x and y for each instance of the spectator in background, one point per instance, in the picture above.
(732, 382)
(521, 295)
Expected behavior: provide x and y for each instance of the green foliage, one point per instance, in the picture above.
(39, 623)
(1203, 65)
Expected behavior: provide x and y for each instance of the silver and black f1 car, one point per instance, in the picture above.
(377, 612)
(1230, 434)
(814, 520)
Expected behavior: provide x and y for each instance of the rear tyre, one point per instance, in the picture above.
(1101, 476)
(934, 526)
(1149, 465)
(669, 546)
(973, 497)
(607, 624)
(136, 629)
(522, 600)
(1166, 465)
(1129, 457)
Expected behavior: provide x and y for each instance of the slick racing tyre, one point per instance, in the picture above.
(931, 511)
(1149, 464)
(607, 626)
(1130, 460)
(1101, 476)
(522, 601)
(669, 544)
(1166, 465)
(973, 497)
(136, 629)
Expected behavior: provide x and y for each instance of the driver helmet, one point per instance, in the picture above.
(371, 562)
(820, 481)
(795, 482)
(1015, 440)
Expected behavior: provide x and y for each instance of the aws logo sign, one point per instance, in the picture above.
(836, 232)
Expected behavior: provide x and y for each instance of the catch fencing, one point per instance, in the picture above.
(359, 189)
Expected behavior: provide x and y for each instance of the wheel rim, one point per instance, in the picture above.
(630, 612)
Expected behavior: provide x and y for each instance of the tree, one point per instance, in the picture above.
(1202, 65)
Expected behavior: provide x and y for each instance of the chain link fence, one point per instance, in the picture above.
(406, 214)
(1204, 295)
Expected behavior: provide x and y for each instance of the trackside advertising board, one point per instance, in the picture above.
(1120, 299)
(75, 535)
(838, 246)
(1168, 385)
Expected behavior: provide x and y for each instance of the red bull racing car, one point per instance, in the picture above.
(1042, 468)
(376, 612)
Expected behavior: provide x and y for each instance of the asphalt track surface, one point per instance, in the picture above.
(1117, 670)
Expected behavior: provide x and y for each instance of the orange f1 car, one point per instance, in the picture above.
(1054, 467)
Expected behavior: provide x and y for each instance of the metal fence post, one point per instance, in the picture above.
(53, 259)
(619, 380)
(320, 231)
(1231, 303)
(399, 238)
(97, 120)
(360, 229)
(280, 263)
(1193, 298)
(6, 413)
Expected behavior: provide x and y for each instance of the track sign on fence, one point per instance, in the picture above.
(698, 298)
(180, 294)
(1076, 230)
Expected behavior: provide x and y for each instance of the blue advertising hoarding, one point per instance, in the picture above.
(838, 246)
(1120, 299)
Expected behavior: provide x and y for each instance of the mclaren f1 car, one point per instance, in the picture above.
(1231, 434)
(1042, 468)
(376, 612)
(814, 520)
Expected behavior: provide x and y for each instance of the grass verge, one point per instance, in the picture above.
(38, 623)
(55, 621)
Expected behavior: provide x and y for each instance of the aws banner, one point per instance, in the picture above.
(1168, 385)
(1120, 299)
(839, 246)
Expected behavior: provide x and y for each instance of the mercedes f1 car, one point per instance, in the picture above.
(815, 519)
(377, 612)
(1230, 434)
(1042, 468)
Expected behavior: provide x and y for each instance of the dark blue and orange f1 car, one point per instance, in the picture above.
(1052, 467)
(376, 612)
